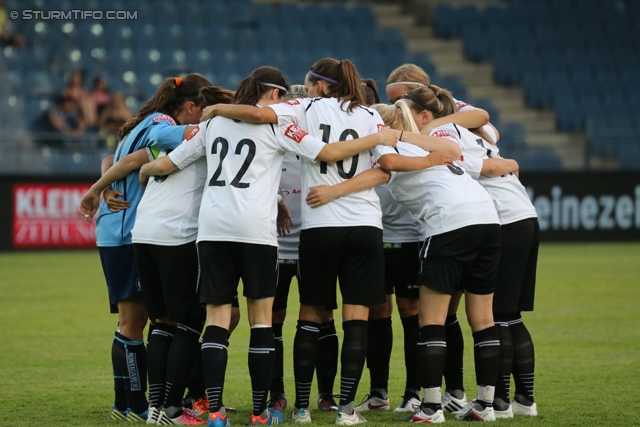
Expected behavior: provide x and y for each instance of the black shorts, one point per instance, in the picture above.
(169, 281)
(465, 258)
(287, 271)
(401, 266)
(352, 255)
(119, 267)
(516, 283)
(223, 264)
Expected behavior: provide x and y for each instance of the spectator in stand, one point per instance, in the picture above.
(100, 94)
(114, 115)
(76, 91)
(64, 122)
(7, 36)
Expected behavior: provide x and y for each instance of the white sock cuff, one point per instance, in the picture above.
(486, 393)
(433, 395)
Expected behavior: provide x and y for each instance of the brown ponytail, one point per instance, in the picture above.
(370, 90)
(169, 97)
(342, 80)
(439, 102)
(210, 95)
(251, 89)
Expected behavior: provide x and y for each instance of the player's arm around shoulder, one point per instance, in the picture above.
(497, 166)
(323, 194)
(339, 150)
(244, 113)
(159, 167)
(433, 143)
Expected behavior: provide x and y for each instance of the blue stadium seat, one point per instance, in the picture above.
(171, 36)
(512, 138)
(444, 17)
(488, 106)
(423, 60)
(201, 60)
(537, 93)
(476, 45)
(540, 159)
(144, 36)
(120, 58)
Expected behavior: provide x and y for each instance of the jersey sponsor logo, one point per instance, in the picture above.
(380, 126)
(443, 133)
(295, 133)
(164, 117)
(193, 133)
(293, 102)
(285, 193)
(461, 105)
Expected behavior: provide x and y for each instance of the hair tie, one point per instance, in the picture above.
(177, 81)
(274, 85)
(318, 76)
(407, 96)
(407, 83)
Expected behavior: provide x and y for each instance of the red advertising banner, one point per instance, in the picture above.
(46, 216)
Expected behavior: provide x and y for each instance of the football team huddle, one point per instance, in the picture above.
(322, 182)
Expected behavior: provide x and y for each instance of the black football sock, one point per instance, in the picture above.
(136, 369)
(411, 361)
(486, 355)
(354, 352)
(195, 383)
(214, 364)
(327, 365)
(453, 372)
(524, 360)
(261, 357)
(305, 357)
(183, 348)
(159, 342)
(277, 378)
(432, 351)
(119, 364)
(379, 345)
(503, 382)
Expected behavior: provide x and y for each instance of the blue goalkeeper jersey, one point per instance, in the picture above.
(156, 130)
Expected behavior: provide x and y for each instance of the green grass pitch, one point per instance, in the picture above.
(56, 340)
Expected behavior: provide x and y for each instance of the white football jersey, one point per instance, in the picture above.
(509, 195)
(244, 163)
(325, 119)
(398, 224)
(290, 189)
(444, 197)
(168, 212)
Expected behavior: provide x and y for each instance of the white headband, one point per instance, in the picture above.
(275, 85)
(407, 83)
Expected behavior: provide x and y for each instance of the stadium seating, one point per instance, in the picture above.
(580, 73)
(575, 56)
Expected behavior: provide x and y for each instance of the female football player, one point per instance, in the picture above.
(161, 123)
(237, 226)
